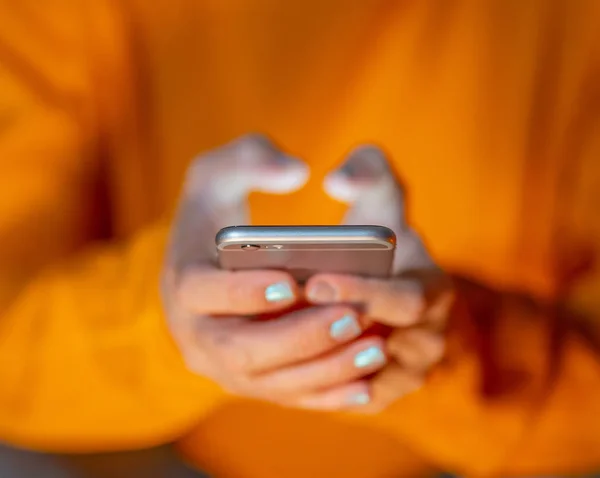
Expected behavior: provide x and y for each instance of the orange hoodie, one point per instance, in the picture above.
(491, 111)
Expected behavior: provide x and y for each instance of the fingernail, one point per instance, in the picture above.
(361, 398)
(369, 357)
(346, 328)
(279, 292)
(321, 292)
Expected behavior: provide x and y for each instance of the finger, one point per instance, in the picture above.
(216, 191)
(389, 385)
(400, 302)
(395, 303)
(417, 349)
(347, 396)
(367, 183)
(348, 363)
(206, 291)
(257, 347)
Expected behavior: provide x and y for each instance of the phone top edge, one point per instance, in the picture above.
(305, 234)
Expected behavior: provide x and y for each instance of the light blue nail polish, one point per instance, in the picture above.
(359, 399)
(279, 292)
(345, 328)
(369, 357)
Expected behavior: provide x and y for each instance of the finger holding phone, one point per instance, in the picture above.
(310, 358)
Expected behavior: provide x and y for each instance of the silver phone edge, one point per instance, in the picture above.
(237, 235)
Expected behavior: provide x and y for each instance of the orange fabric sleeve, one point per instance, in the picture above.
(86, 362)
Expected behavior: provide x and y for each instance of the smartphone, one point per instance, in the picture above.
(306, 250)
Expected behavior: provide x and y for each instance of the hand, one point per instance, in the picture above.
(309, 358)
(414, 304)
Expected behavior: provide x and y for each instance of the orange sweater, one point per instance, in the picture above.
(491, 110)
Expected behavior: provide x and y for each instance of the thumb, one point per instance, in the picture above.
(367, 183)
(216, 191)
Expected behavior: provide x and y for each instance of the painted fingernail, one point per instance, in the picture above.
(369, 357)
(321, 292)
(362, 398)
(279, 292)
(346, 328)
